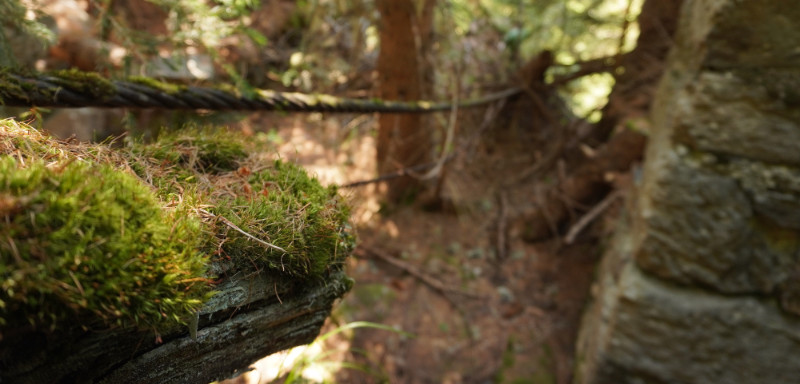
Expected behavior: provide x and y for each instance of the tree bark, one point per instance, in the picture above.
(402, 139)
(248, 319)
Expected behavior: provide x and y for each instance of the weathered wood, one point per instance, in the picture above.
(251, 317)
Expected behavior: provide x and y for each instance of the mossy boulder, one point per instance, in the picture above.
(101, 237)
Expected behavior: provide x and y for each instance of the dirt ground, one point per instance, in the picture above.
(479, 312)
(494, 321)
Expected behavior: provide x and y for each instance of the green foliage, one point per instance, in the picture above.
(84, 239)
(190, 23)
(13, 15)
(575, 30)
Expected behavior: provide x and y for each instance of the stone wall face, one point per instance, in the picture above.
(702, 281)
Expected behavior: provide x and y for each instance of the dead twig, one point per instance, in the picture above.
(586, 219)
(554, 151)
(410, 171)
(584, 186)
(275, 287)
(489, 117)
(501, 229)
(626, 22)
(413, 271)
(589, 67)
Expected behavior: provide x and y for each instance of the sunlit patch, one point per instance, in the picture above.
(297, 359)
(391, 228)
(318, 362)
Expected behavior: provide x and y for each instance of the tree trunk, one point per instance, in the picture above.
(403, 140)
(248, 319)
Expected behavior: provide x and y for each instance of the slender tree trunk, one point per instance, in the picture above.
(403, 140)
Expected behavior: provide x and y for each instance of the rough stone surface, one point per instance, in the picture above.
(701, 226)
(730, 34)
(644, 331)
(720, 199)
(702, 281)
(772, 189)
(722, 113)
(753, 34)
(735, 78)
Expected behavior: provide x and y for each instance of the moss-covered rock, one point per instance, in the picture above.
(135, 236)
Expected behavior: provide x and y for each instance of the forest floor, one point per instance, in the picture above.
(483, 306)
(478, 313)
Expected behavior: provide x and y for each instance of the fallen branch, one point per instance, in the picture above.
(500, 240)
(409, 171)
(589, 67)
(242, 323)
(413, 271)
(593, 213)
(448, 142)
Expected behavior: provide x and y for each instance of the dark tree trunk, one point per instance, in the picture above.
(403, 140)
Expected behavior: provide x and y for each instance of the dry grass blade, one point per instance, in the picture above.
(236, 228)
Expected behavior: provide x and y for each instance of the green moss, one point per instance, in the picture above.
(195, 149)
(87, 242)
(167, 88)
(83, 240)
(88, 83)
(10, 88)
(279, 204)
(508, 360)
(545, 374)
(782, 240)
(291, 211)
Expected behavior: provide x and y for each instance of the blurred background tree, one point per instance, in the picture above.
(403, 139)
(332, 46)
